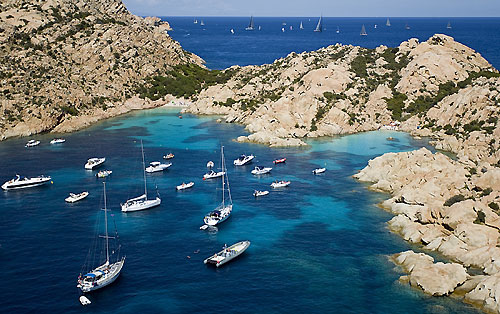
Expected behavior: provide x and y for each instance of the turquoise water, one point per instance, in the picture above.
(319, 246)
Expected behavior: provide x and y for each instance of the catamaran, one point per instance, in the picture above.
(222, 212)
(319, 27)
(250, 26)
(141, 202)
(106, 273)
(363, 31)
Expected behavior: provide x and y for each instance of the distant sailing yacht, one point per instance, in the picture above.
(232, 31)
(201, 23)
(448, 26)
(250, 26)
(223, 211)
(363, 31)
(407, 26)
(195, 21)
(107, 273)
(301, 26)
(388, 23)
(141, 202)
(338, 30)
(319, 27)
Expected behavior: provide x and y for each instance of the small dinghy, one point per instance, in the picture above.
(169, 156)
(261, 170)
(319, 170)
(157, 166)
(279, 161)
(84, 300)
(260, 193)
(32, 143)
(227, 254)
(57, 141)
(104, 173)
(76, 197)
(184, 186)
(280, 184)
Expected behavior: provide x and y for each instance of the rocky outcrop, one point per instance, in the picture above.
(63, 61)
(438, 87)
(447, 207)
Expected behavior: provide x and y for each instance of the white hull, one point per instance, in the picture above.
(111, 271)
(57, 141)
(76, 197)
(260, 193)
(213, 175)
(243, 161)
(280, 184)
(93, 163)
(212, 220)
(319, 170)
(103, 174)
(32, 143)
(16, 184)
(185, 186)
(259, 171)
(140, 205)
(158, 168)
(227, 254)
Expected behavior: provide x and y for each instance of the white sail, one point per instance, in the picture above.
(250, 26)
(301, 26)
(363, 31)
(388, 23)
(319, 27)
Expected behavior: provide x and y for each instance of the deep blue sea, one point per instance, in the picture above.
(319, 246)
(221, 49)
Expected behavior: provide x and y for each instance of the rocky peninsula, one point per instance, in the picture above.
(65, 64)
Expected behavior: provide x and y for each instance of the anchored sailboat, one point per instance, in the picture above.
(250, 26)
(222, 212)
(363, 31)
(388, 23)
(141, 202)
(201, 23)
(301, 26)
(107, 273)
(319, 27)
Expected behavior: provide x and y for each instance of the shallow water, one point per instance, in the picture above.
(319, 246)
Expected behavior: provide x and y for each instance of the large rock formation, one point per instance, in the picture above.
(67, 63)
(448, 207)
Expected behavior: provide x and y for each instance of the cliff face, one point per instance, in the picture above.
(63, 62)
(438, 87)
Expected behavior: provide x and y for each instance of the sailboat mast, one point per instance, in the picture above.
(223, 173)
(106, 224)
(144, 171)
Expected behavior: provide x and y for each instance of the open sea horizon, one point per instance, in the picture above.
(319, 246)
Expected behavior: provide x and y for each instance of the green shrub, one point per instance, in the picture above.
(396, 105)
(480, 219)
(486, 192)
(493, 206)
(454, 199)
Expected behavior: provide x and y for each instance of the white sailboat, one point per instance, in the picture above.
(388, 23)
(195, 21)
(301, 26)
(338, 30)
(223, 211)
(141, 202)
(106, 273)
(448, 26)
(201, 23)
(363, 31)
(250, 26)
(319, 27)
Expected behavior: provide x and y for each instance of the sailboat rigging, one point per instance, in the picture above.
(251, 25)
(223, 211)
(108, 272)
(319, 27)
(141, 202)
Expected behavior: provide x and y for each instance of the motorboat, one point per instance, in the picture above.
(72, 198)
(223, 211)
(260, 193)
(184, 186)
(280, 184)
(94, 163)
(168, 156)
(57, 141)
(243, 160)
(157, 166)
(227, 254)
(279, 161)
(20, 182)
(32, 143)
(261, 170)
(319, 170)
(141, 202)
(212, 174)
(104, 173)
(108, 272)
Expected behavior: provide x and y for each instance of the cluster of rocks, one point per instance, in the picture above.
(67, 63)
(447, 207)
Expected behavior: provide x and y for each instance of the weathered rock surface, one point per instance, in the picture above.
(67, 63)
